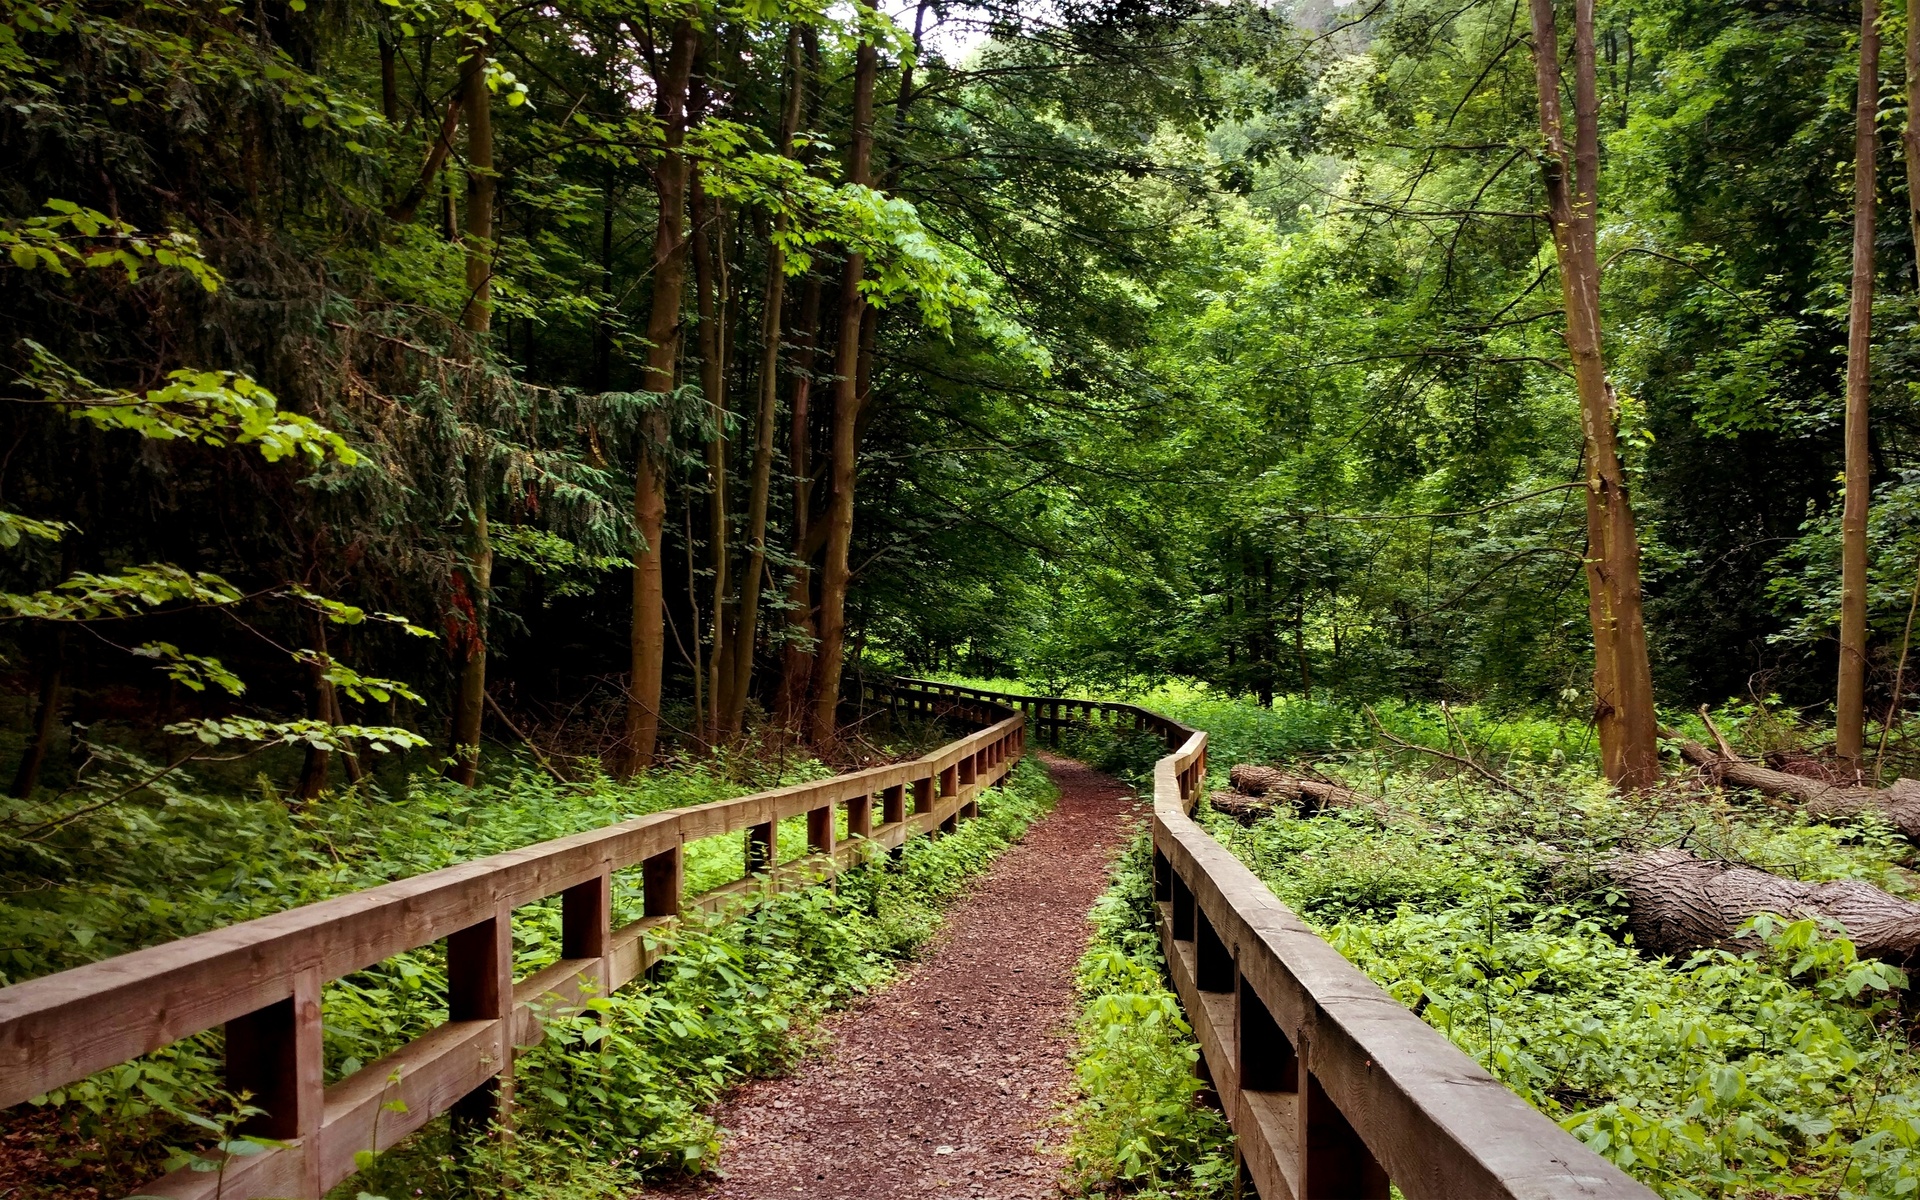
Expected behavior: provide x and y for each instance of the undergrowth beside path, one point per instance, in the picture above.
(633, 1076)
(1140, 1126)
(1784, 1069)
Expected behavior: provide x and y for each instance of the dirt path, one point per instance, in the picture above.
(945, 1084)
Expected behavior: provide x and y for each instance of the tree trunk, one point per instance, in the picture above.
(708, 248)
(46, 716)
(389, 79)
(1622, 679)
(1678, 903)
(1850, 699)
(476, 318)
(648, 638)
(846, 415)
(1898, 805)
(747, 613)
(1278, 786)
(322, 706)
(796, 668)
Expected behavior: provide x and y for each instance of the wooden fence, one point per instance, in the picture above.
(1332, 1086)
(262, 979)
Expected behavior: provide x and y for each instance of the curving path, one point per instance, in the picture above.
(950, 1082)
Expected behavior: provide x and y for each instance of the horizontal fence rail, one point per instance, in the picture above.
(262, 979)
(1334, 1089)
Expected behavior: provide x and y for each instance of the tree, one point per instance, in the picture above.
(844, 439)
(1850, 699)
(1622, 677)
(648, 637)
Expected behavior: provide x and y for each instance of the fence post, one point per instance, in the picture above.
(820, 829)
(662, 879)
(893, 804)
(1334, 1163)
(762, 849)
(586, 919)
(480, 988)
(274, 1055)
(859, 816)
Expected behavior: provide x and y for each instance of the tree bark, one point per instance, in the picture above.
(476, 318)
(1678, 903)
(708, 248)
(322, 705)
(747, 613)
(407, 206)
(796, 667)
(46, 716)
(648, 634)
(1898, 805)
(846, 414)
(1850, 699)
(1622, 678)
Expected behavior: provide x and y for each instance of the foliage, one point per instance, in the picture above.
(1140, 1123)
(627, 1080)
(1783, 1068)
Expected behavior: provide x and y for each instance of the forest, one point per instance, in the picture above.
(433, 427)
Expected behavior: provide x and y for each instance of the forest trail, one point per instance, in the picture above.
(945, 1084)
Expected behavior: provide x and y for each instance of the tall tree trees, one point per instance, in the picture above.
(1622, 676)
(844, 439)
(476, 318)
(1850, 699)
(648, 630)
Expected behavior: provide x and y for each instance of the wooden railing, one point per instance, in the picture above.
(1333, 1088)
(262, 979)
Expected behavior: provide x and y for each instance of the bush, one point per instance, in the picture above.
(1139, 1123)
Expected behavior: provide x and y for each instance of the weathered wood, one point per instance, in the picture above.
(1677, 903)
(662, 879)
(1899, 805)
(1422, 1112)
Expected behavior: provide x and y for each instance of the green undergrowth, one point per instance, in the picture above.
(1239, 730)
(1140, 1126)
(617, 1094)
(191, 872)
(1786, 1069)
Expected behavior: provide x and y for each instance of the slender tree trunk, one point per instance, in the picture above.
(709, 246)
(796, 668)
(648, 638)
(846, 415)
(46, 715)
(476, 319)
(1850, 701)
(603, 323)
(1623, 681)
(321, 705)
(389, 80)
(747, 616)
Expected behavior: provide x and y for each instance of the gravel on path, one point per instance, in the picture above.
(949, 1083)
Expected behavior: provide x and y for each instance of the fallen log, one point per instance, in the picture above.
(1284, 786)
(1678, 903)
(1241, 807)
(1899, 805)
